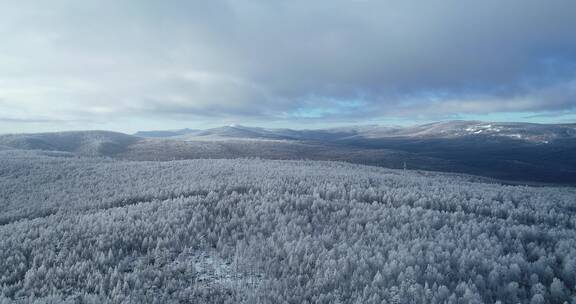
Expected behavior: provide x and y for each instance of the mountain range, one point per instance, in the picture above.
(512, 152)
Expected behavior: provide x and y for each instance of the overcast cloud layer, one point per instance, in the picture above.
(65, 61)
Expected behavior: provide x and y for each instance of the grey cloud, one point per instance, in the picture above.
(28, 120)
(275, 59)
(557, 97)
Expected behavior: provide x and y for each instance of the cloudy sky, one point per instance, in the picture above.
(132, 65)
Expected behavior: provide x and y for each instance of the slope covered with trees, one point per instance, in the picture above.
(93, 230)
(514, 152)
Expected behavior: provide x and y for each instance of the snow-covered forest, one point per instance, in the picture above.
(94, 230)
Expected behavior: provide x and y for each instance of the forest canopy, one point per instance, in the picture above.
(93, 230)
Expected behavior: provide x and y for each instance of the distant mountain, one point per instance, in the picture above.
(529, 132)
(239, 132)
(225, 132)
(520, 152)
(94, 143)
(511, 151)
(167, 133)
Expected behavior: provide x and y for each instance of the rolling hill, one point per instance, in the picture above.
(515, 152)
(94, 143)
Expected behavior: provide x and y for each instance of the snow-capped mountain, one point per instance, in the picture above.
(509, 151)
(529, 132)
(238, 132)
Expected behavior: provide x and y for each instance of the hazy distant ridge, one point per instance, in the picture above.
(511, 151)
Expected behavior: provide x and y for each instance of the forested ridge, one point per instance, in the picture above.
(93, 230)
